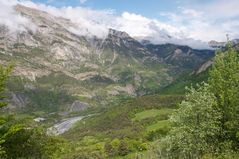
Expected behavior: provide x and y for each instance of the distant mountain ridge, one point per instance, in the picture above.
(181, 56)
(218, 45)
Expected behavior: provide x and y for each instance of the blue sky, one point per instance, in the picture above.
(150, 8)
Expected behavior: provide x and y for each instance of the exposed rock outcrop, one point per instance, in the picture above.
(78, 106)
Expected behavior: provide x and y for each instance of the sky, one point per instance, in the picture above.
(147, 8)
(183, 22)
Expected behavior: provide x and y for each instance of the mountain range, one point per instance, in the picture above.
(58, 70)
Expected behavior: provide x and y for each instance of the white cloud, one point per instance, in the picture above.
(192, 25)
(208, 21)
(14, 21)
(192, 13)
(221, 8)
(89, 22)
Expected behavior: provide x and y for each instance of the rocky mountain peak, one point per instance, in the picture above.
(216, 44)
(43, 20)
(118, 34)
(122, 39)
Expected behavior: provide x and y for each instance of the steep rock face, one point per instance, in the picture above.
(119, 46)
(117, 40)
(204, 66)
(50, 47)
(52, 33)
(78, 106)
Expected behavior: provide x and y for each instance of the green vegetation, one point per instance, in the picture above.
(4, 73)
(152, 113)
(185, 80)
(20, 137)
(206, 124)
(49, 101)
(115, 133)
(23, 142)
(224, 82)
(163, 125)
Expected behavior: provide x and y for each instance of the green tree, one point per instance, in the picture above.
(18, 140)
(123, 148)
(196, 125)
(224, 82)
(109, 150)
(30, 143)
(207, 122)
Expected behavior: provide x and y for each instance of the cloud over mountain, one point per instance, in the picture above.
(186, 26)
(11, 19)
